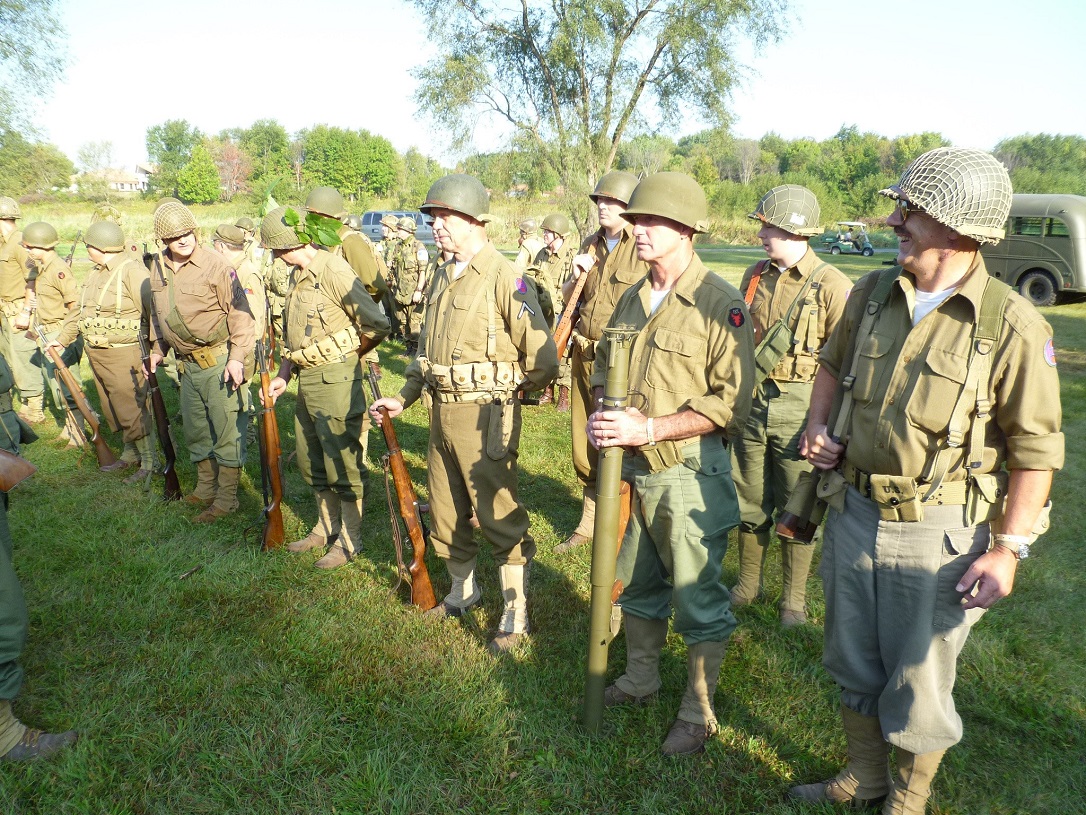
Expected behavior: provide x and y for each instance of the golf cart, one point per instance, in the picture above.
(850, 238)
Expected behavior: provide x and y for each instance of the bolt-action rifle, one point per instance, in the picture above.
(13, 470)
(172, 490)
(71, 254)
(271, 460)
(422, 591)
(564, 329)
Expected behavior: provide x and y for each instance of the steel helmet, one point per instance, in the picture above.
(40, 235)
(9, 209)
(230, 234)
(557, 223)
(326, 201)
(407, 224)
(172, 220)
(354, 222)
(276, 233)
(390, 220)
(675, 196)
(966, 190)
(617, 184)
(168, 199)
(790, 207)
(105, 236)
(246, 224)
(461, 193)
(529, 226)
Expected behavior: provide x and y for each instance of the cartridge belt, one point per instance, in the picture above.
(334, 347)
(478, 397)
(207, 357)
(951, 493)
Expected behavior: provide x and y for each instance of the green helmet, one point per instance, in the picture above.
(246, 224)
(168, 199)
(407, 224)
(790, 207)
(557, 223)
(354, 222)
(276, 233)
(529, 226)
(106, 212)
(966, 190)
(172, 220)
(230, 234)
(9, 209)
(390, 220)
(105, 236)
(616, 184)
(326, 201)
(675, 196)
(40, 235)
(464, 194)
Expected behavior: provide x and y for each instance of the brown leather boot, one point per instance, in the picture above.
(563, 399)
(548, 395)
(865, 780)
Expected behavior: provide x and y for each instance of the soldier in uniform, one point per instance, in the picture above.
(691, 378)
(935, 419)
(529, 242)
(331, 323)
(795, 301)
(552, 269)
(199, 310)
(248, 229)
(390, 247)
(230, 241)
(17, 304)
(56, 292)
(409, 269)
(484, 339)
(609, 256)
(111, 311)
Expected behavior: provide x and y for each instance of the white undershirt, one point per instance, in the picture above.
(927, 302)
(459, 267)
(612, 243)
(656, 298)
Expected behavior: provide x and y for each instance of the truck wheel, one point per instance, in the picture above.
(868, 251)
(1038, 287)
(835, 250)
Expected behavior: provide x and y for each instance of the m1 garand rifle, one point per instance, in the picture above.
(101, 449)
(564, 329)
(71, 254)
(271, 460)
(172, 490)
(422, 591)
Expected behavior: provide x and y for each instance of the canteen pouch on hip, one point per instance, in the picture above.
(897, 497)
(832, 487)
(500, 429)
(774, 345)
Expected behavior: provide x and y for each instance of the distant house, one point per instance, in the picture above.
(115, 180)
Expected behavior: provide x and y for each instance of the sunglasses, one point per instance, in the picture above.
(905, 207)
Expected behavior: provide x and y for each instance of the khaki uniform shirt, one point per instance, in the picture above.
(552, 270)
(774, 295)
(16, 269)
(695, 353)
(410, 261)
(528, 250)
(253, 284)
(456, 324)
(207, 292)
(361, 256)
(57, 291)
(326, 298)
(908, 381)
(120, 290)
(612, 275)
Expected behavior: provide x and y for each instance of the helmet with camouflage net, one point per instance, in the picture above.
(617, 184)
(529, 226)
(9, 209)
(390, 220)
(40, 235)
(407, 224)
(675, 196)
(354, 222)
(460, 193)
(167, 200)
(172, 220)
(326, 201)
(557, 223)
(966, 190)
(276, 233)
(230, 234)
(790, 207)
(105, 236)
(246, 224)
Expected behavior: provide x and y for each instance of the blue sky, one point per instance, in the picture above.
(975, 70)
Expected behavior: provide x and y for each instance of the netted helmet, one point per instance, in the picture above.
(326, 201)
(461, 193)
(354, 222)
(557, 223)
(9, 209)
(276, 233)
(407, 224)
(966, 190)
(40, 235)
(105, 236)
(675, 196)
(246, 224)
(231, 234)
(617, 184)
(167, 200)
(107, 212)
(790, 207)
(391, 221)
(529, 226)
(172, 220)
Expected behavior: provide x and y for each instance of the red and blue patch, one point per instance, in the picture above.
(1050, 353)
(522, 287)
(736, 317)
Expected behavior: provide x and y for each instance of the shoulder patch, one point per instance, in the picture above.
(60, 275)
(1050, 353)
(736, 318)
(522, 287)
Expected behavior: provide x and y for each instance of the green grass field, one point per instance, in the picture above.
(260, 685)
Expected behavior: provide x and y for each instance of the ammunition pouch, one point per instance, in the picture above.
(831, 489)
(901, 498)
(11, 307)
(666, 454)
(203, 357)
(585, 347)
(330, 348)
(987, 494)
(107, 332)
(471, 381)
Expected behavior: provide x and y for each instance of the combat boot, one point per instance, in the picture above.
(752, 551)
(795, 566)
(514, 623)
(74, 432)
(563, 399)
(226, 496)
(865, 780)
(696, 722)
(548, 395)
(33, 412)
(207, 471)
(147, 461)
(464, 592)
(640, 684)
(912, 788)
(585, 527)
(326, 529)
(350, 536)
(19, 742)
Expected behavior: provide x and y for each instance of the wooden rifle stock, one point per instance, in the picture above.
(422, 590)
(101, 449)
(564, 330)
(271, 461)
(172, 489)
(14, 470)
(71, 255)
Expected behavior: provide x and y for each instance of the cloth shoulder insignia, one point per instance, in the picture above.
(521, 285)
(736, 318)
(1050, 353)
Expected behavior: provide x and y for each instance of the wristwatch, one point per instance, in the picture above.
(1017, 544)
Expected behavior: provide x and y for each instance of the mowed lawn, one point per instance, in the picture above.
(257, 684)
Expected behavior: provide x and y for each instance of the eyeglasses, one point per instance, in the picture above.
(905, 207)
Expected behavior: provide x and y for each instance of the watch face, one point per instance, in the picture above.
(1023, 551)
